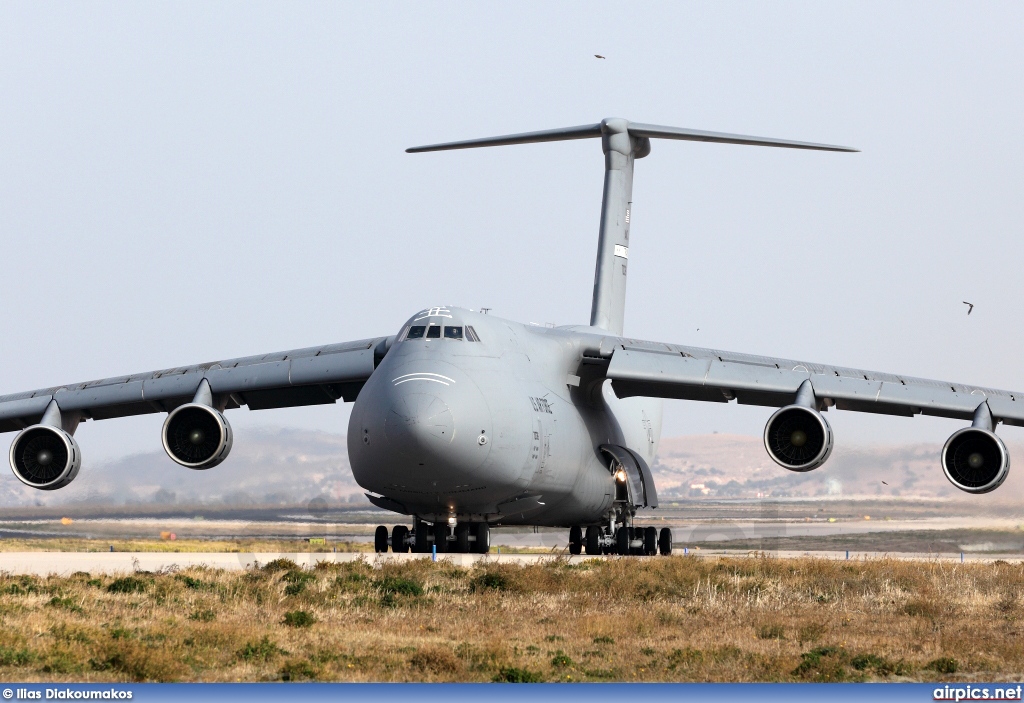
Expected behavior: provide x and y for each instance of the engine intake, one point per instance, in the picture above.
(45, 457)
(975, 460)
(197, 436)
(798, 438)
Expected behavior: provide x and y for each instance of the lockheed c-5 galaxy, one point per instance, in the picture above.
(463, 420)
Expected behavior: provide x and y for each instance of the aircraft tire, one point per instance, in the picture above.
(482, 532)
(650, 541)
(441, 537)
(622, 541)
(593, 543)
(634, 534)
(665, 542)
(575, 539)
(380, 539)
(462, 538)
(398, 535)
(421, 538)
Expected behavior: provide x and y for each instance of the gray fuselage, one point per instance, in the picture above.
(504, 429)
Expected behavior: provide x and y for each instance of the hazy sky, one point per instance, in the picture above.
(182, 182)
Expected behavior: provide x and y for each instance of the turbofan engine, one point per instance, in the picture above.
(197, 436)
(975, 460)
(45, 457)
(798, 438)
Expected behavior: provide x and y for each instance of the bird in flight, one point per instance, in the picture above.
(970, 306)
(598, 56)
(884, 483)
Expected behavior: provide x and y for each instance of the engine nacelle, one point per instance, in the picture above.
(45, 457)
(196, 436)
(798, 438)
(975, 460)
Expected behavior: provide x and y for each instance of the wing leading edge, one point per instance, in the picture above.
(311, 376)
(672, 371)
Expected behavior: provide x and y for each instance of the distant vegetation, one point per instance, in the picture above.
(663, 619)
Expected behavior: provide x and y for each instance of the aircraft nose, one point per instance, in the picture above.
(419, 423)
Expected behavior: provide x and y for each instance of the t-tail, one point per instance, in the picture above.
(623, 142)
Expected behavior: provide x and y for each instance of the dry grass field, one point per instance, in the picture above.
(629, 619)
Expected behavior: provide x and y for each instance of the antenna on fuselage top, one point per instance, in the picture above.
(623, 142)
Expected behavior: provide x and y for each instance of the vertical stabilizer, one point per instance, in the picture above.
(620, 150)
(623, 143)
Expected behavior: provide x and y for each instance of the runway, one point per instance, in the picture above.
(65, 563)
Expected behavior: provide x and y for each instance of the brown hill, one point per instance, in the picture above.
(735, 466)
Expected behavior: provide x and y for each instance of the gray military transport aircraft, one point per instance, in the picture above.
(463, 420)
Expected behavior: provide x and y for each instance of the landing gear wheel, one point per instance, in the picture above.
(482, 532)
(575, 540)
(421, 534)
(665, 542)
(398, 535)
(650, 541)
(636, 533)
(593, 541)
(462, 538)
(380, 539)
(441, 537)
(622, 540)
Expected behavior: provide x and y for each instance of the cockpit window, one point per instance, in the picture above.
(471, 334)
(416, 332)
(433, 332)
(453, 332)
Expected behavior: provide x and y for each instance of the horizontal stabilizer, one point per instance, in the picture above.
(653, 131)
(548, 135)
(634, 129)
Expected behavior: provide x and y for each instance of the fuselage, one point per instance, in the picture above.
(478, 418)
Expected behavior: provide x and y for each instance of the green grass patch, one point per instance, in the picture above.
(127, 584)
(11, 656)
(298, 618)
(561, 660)
(943, 665)
(512, 674)
(822, 664)
(68, 604)
(400, 586)
(262, 650)
(193, 584)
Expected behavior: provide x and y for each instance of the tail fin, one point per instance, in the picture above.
(623, 142)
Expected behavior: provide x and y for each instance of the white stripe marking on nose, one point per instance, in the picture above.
(423, 373)
(398, 383)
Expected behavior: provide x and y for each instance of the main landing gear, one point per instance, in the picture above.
(624, 540)
(467, 537)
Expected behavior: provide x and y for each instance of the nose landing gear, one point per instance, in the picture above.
(468, 537)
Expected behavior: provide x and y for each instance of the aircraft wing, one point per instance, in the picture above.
(652, 369)
(311, 376)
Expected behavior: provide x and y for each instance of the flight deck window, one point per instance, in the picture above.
(471, 334)
(453, 333)
(433, 332)
(416, 332)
